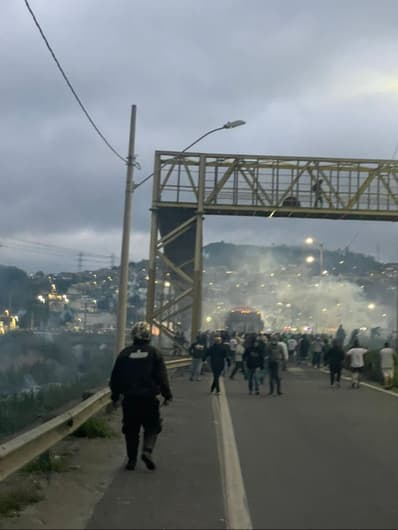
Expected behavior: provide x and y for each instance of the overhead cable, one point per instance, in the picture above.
(70, 85)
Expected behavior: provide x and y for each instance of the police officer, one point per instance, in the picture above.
(140, 375)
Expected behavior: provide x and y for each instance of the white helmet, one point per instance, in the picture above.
(141, 331)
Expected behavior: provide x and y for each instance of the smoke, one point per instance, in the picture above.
(289, 295)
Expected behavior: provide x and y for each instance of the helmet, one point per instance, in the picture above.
(141, 331)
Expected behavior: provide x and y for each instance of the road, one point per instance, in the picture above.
(313, 458)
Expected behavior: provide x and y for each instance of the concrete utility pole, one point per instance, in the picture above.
(124, 259)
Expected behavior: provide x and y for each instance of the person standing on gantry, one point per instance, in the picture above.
(317, 189)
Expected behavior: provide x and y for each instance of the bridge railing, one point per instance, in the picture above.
(21, 450)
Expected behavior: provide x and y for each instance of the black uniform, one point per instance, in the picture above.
(140, 375)
(218, 354)
(335, 358)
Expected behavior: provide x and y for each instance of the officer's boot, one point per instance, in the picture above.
(149, 444)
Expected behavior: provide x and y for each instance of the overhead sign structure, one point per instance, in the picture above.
(188, 186)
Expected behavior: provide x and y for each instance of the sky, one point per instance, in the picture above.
(309, 78)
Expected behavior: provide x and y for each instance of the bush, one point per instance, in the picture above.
(372, 369)
(14, 500)
(46, 463)
(94, 428)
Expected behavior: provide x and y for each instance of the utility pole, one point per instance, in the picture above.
(124, 259)
(396, 310)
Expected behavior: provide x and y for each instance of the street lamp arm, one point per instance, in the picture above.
(228, 125)
(201, 138)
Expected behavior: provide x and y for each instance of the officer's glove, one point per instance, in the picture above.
(167, 401)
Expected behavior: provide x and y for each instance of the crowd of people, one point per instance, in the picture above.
(139, 374)
(258, 356)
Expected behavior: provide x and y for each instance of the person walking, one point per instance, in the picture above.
(316, 352)
(218, 355)
(239, 364)
(317, 189)
(196, 350)
(291, 348)
(335, 358)
(325, 350)
(303, 348)
(340, 335)
(140, 375)
(254, 360)
(275, 359)
(356, 355)
(387, 358)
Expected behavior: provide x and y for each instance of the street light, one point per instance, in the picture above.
(311, 241)
(130, 189)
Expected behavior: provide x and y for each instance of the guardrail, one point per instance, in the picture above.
(21, 450)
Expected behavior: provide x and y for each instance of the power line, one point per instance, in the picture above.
(51, 250)
(70, 85)
(58, 247)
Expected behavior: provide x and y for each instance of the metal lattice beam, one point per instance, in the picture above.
(188, 186)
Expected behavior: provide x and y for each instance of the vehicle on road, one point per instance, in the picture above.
(244, 320)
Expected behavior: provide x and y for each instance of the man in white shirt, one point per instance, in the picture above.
(356, 355)
(387, 365)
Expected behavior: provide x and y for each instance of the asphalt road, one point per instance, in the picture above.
(313, 458)
(318, 457)
(185, 491)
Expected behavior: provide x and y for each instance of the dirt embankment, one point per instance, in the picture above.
(70, 497)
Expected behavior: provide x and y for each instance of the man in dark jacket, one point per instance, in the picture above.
(275, 357)
(140, 375)
(335, 359)
(254, 360)
(218, 354)
(196, 350)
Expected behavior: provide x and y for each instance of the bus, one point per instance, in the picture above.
(244, 320)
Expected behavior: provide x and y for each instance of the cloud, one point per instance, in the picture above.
(309, 79)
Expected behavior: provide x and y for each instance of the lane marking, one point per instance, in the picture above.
(235, 499)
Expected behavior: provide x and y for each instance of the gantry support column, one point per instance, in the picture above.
(150, 301)
(198, 260)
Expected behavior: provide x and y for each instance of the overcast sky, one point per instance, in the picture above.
(309, 78)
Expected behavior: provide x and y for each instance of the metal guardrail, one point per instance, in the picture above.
(24, 448)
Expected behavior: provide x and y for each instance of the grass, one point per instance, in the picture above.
(17, 498)
(46, 463)
(95, 428)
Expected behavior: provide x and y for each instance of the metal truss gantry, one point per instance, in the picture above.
(188, 186)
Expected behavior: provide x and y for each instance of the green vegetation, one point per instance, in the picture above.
(48, 372)
(95, 428)
(46, 463)
(22, 411)
(372, 370)
(14, 500)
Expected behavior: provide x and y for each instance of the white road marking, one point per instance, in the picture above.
(236, 505)
(295, 370)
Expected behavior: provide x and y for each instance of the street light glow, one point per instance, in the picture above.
(310, 259)
(309, 240)
(371, 306)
